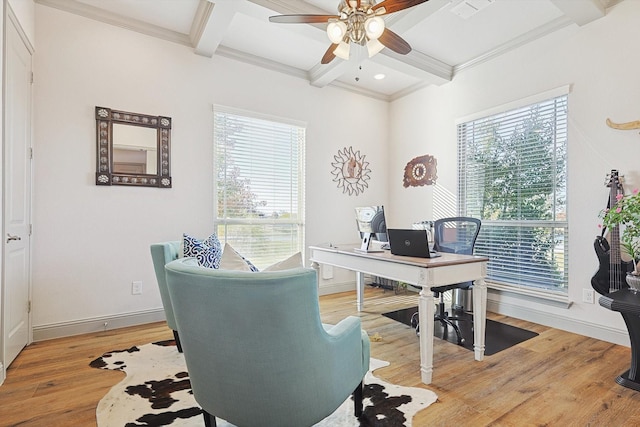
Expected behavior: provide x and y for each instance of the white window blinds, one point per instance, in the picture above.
(512, 175)
(259, 185)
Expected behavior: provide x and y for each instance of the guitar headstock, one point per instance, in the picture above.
(614, 179)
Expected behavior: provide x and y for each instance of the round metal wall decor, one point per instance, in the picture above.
(420, 171)
(350, 171)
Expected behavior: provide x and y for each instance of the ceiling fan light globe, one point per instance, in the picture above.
(342, 51)
(374, 46)
(374, 27)
(336, 31)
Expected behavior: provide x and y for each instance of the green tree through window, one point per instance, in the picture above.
(259, 185)
(512, 176)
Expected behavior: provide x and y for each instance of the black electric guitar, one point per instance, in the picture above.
(612, 271)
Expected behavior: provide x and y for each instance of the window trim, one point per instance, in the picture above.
(548, 294)
(516, 104)
(300, 223)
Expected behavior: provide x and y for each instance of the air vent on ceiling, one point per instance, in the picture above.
(468, 8)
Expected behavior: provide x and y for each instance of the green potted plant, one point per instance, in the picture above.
(626, 214)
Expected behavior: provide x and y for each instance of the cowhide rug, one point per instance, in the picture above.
(157, 392)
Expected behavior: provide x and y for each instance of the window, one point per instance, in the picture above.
(259, 185)
(512, 175)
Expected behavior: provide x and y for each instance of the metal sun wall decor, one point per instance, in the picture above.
(351, 171)
(420, 171)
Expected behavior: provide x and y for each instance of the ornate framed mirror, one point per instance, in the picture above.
(132, 149)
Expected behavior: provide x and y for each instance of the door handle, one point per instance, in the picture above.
(10, 237)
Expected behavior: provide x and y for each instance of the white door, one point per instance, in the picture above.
(17, 195)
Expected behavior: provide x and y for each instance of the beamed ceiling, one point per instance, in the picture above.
(446, 36)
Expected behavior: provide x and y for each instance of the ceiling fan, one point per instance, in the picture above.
(360, 22)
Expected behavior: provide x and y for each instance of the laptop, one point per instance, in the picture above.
(410, 243)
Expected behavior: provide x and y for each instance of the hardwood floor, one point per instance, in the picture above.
(554, 379)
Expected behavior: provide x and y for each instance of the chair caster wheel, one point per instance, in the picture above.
(415, 321)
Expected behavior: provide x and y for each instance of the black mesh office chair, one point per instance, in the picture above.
(452, 235)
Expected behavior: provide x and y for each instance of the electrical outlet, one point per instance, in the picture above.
(136, 288)
(588, 296)
(327, 271)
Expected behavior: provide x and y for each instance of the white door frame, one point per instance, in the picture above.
(11, 22)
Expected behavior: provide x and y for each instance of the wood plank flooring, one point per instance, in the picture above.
(554, 379)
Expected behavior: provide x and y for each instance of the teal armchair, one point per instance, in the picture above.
(256, 350)
(162, 254)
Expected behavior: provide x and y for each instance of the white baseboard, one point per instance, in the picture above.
(541, 317)
(97, 324)
(525, 312)
(564, 323)
(337, 287)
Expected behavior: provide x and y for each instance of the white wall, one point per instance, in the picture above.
(600, 63)
(90, 242)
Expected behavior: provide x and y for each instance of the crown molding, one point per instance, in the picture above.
(117, 20)
(409, 90)
(291, 71)
(248, 58)
(544, 30)
(422, 62)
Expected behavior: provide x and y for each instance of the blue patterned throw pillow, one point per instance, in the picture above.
(208, 252)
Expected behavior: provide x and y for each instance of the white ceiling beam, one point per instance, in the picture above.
(214, 17)
(199, 25)
(211, 23)
(417, 65)
(320, 75)
(323, 75)
(581, 12)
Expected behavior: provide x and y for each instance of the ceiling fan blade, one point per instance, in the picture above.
(302, 19)
(391, 6)
(394, 42)
(329, 55)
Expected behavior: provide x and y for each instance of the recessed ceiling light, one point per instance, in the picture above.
(379, 76)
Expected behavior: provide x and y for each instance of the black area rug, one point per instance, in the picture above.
(498, 337)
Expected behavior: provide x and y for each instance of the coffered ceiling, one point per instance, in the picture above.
(447, 36)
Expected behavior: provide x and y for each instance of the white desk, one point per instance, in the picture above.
(443, 270)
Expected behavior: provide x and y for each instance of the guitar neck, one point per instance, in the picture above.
(614, 251)
(615, 260)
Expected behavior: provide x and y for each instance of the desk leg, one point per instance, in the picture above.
(360, 290)
(479, 317)
(426, 313)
